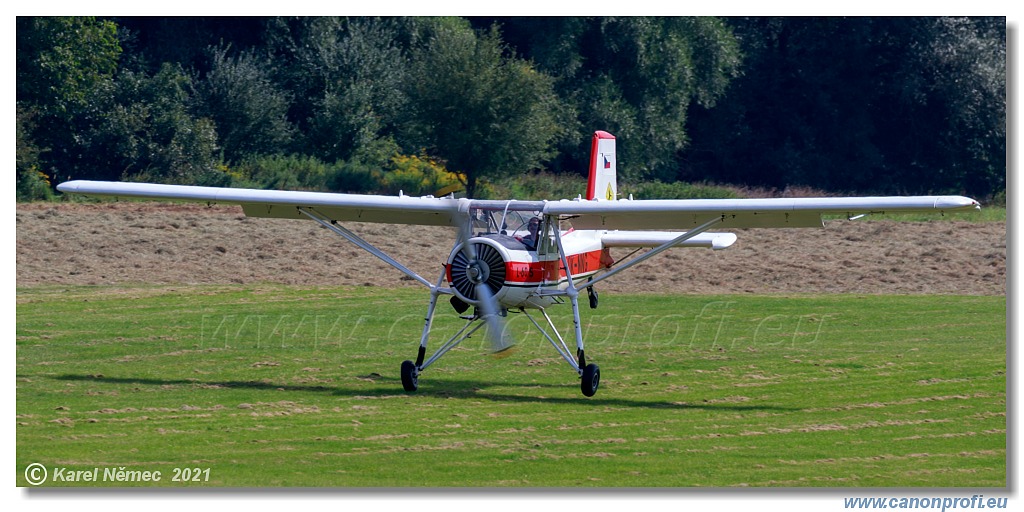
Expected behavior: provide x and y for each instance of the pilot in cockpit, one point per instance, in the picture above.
(530, 240)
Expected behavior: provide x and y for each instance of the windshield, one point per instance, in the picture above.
(515, 219)
(514, 223)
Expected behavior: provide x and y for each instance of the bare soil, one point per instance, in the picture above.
(155, 243)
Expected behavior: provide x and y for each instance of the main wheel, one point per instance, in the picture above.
(410, 377)
(591, 379)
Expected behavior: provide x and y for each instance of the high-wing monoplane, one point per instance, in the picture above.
(527, 256)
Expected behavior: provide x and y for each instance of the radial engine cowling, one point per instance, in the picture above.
(483, 262)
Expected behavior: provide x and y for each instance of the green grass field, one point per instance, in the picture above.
(272, 386)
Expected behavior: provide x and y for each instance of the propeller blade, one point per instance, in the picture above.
(489, 308)
(487, 303)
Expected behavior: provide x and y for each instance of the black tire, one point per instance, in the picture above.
(410, 379)
(591, 379)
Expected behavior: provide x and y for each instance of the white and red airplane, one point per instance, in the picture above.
(524, 256)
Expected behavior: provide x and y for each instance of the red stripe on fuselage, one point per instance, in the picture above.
(551, 272)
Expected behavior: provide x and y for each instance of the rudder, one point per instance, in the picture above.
(601, 185)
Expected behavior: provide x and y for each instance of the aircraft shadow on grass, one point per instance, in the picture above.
(455, 388)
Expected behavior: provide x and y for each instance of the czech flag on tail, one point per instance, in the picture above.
(601, 185)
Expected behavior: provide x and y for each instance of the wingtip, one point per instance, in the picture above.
(723, 241)
(957, 203)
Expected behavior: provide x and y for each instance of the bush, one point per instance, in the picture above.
(675, 190)
(293, 172)
(538, 186)
(998, 199)
(411, 175)
(417, 176)
(354, 177)
(535, 187)
(33, 185)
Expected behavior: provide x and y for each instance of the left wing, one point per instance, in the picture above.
(741, 213)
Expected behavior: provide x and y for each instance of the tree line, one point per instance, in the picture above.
(869, 105)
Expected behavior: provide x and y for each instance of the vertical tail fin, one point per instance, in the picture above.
(601, 184)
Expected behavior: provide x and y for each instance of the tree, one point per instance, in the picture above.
(32, 183)
(872, 105)
(633, 76)
(959, 66)
(349, 72)
(151, 41)
(145, 129)
(485, 114)
(62, 63)
(249, 110)
(60, 60)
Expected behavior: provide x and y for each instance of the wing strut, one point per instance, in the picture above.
(366, 246)
(667, 245)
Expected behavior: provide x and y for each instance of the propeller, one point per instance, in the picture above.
(482, 272)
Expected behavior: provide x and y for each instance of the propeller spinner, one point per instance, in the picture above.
(478, 276)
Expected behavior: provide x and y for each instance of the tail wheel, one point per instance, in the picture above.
(591, 378)
(410, 376)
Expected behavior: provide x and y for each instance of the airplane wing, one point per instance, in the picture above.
(426, 211)
(742, 213)
(671, 214)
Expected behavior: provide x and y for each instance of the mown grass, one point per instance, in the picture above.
(283, 386)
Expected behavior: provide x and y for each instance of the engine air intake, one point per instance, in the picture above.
(483, 264)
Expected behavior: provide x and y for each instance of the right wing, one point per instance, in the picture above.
(281, 204)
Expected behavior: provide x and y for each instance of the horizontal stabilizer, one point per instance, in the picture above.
(716, 241)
